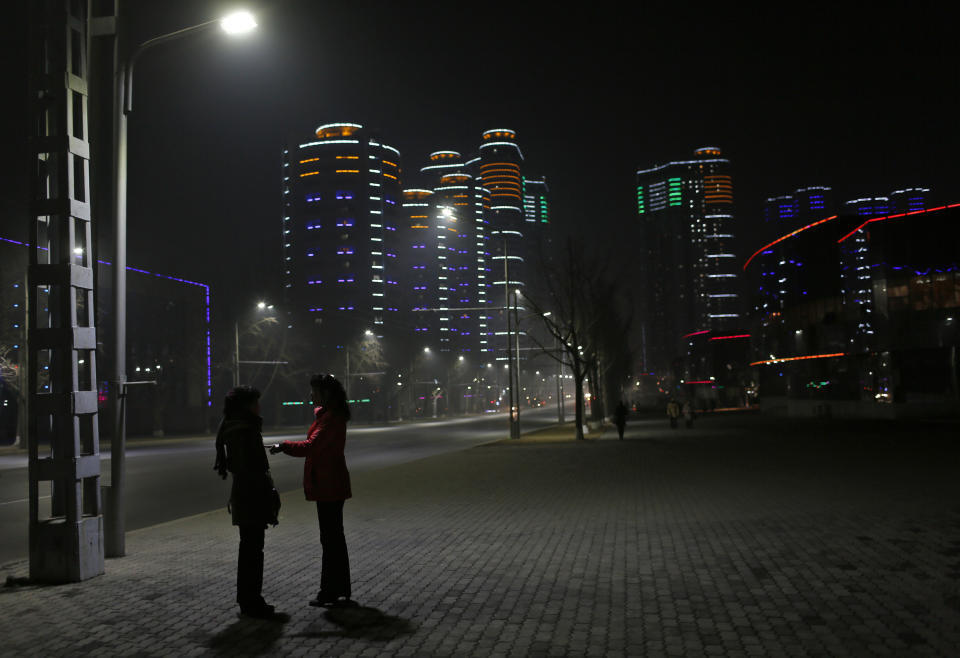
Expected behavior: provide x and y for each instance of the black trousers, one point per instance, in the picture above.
(335, 564)
(250, 565)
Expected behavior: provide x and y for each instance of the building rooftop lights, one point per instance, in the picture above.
(499, 132)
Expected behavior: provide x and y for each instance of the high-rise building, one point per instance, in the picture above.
(457, 220)
(342, 200)
(776, 274)
(857, 260)
(499, 169)
(536, 224)
(688, 266)
(469, 219)
(418, 264)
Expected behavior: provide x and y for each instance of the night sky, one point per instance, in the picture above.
(864, 100)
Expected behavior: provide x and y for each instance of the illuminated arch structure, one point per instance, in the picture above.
(875, 327)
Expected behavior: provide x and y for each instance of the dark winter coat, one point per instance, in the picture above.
(620, 415)
(253, 499)
(325, 475)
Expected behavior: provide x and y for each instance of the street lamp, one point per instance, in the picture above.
(236, 344)
(124, 62)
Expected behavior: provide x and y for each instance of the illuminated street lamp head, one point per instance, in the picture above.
(239, 22)
(367, 333)
(426, 350)
(447, 213)
(461, 358)
(261, 305)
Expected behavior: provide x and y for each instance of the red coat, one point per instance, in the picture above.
(325, 475)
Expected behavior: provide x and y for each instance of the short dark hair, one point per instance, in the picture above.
(334, 393)
(237, 402)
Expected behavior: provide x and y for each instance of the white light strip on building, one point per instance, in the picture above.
(330, 141)
(640, 172)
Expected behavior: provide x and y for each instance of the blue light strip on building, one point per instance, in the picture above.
(206, 293)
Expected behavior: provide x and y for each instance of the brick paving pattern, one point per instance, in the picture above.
(737, 538)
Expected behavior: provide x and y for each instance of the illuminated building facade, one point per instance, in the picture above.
(458, 223)
(456, 219)
(858, 260)
(688, 267)
(499, 168)
(536, 224)
(877, 335)
(418, 263)
(777, 276)
(169, 343)
(342, 199)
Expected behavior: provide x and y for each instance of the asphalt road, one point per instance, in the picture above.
(171, 480)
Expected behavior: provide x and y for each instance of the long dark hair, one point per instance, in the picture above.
(333, 394)
(236, 405)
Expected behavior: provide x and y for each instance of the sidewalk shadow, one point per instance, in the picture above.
(247, 635)
(362, 622)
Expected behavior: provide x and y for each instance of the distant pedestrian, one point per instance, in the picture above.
(254, 501)
(688, 413)
(620, 418)
(327, 481)
(673, 412)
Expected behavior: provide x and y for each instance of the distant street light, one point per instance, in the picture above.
(234, 24)
(236, 344)
(239, 22)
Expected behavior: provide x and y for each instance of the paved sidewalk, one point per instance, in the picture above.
(737, 538)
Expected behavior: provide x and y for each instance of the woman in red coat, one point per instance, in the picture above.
(326, 481)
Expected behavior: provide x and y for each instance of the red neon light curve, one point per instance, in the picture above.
(798, 358)
(902, 214)
(729, 337)
(788, 235)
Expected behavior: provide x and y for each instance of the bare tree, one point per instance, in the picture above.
(581, 304)
(563, 305)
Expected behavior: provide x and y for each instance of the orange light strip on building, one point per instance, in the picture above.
(419, 225)
(898, 215)
(392, 164)
(798, 358)
(461, 204)
(309, 160)
(348, 157)
(788, 235)
(419, 217)
(348, 171)
(391, 176)
(309, 173)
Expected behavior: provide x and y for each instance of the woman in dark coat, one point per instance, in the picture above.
(253, 500)
(327, 481)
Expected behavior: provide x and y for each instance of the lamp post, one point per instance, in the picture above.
(239, 23)
(236, 345)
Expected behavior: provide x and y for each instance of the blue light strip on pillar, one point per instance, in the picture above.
(206, 293)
